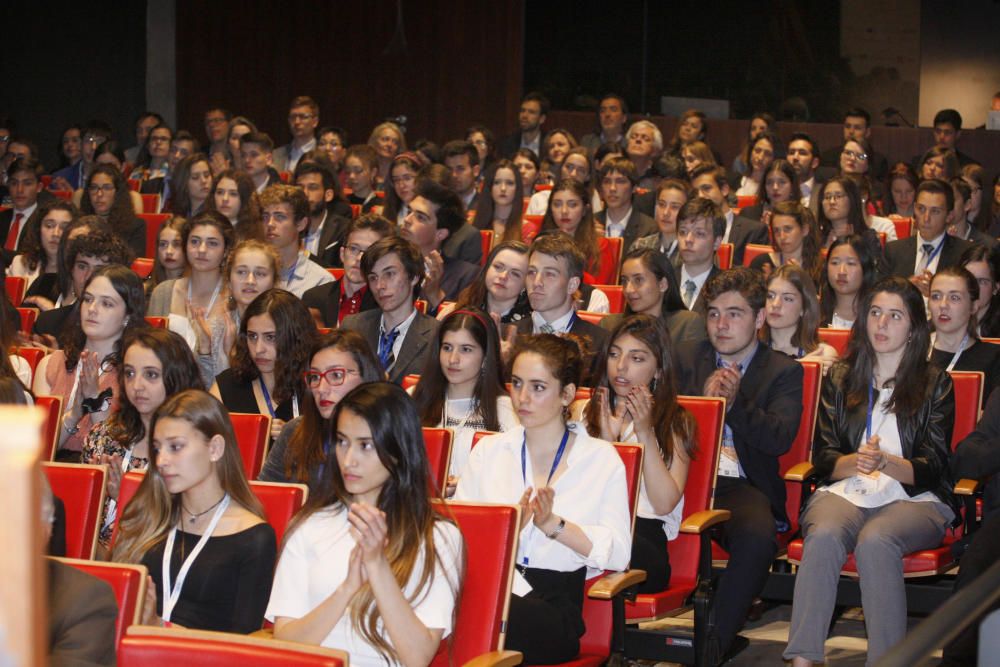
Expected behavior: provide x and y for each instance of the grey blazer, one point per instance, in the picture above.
(414, 350)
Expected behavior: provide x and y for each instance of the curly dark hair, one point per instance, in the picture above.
(122, 216)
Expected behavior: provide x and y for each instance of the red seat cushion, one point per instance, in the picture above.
(926, 561)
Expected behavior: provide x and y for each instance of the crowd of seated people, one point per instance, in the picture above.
(494, 278)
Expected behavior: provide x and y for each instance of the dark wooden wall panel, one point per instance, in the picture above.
(461, 62)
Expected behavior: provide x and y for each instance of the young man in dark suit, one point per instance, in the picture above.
(700, 226)
(858, 126)
(326, 231)
(530, 118)
(763, 392)
(24, 185)
(920, 256)
(399, 334)
(709, 181)
(617, 180)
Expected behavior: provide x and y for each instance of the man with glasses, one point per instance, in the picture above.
(144, 124)
(329, 304)
(858, 126)
(303, 118)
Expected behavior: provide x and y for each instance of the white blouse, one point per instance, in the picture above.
(591, 492)
(464, 426)
(314, 562)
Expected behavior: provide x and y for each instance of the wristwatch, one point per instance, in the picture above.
(558, 529)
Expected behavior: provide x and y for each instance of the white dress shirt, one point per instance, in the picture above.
(918, 265)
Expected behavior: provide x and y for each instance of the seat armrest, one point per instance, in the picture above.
(701, 521)
(966, 487)
(611, 585)
(497, 659)
(800, 472)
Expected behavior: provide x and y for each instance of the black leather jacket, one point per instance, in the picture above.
(925, 436)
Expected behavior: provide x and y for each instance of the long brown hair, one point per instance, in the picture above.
(585, 237)
(671, 420)
(806, 333)
(392, 418)
(154, 510)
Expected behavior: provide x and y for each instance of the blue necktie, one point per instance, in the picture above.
(385, 342)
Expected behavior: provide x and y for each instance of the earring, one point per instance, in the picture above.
(125, 322)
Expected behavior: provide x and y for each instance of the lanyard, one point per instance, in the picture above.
(173, 593)
(291, 272)
(958, 352)
(868, 416)
(109, 518)
(270, 406)
(555, 461)
(215, 295)
(929, 257)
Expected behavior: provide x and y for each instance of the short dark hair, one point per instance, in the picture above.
(561, 246)
(184, 135)
(26, 164)
(24, 141)
(372, 222)
(460, 147)
(148, 114)
(408, 253)
(363, 152)
(225, 112)
(622, 165)
(316, 167)
(802, 136)
(543, 102)
(450, 211)
(613, 96)
(858, 112)
(706, 209)
(748, 282)
(938, 187)
(262, 139)
(949, 116)
(717, 172)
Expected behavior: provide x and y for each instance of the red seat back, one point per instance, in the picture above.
(904, 226)
(336, 273)
(134, 184)
(81, 488)
(490, 533)
(410, 380)
(150, 203)
(746, 201)
(142, 267)
(968, 401)
(437, 443)
(724, 256)
(15, 287)
(65, 195)
(616, 297)
(28, 317)
(613, 255)
(838, 339)
(479, 435)
(147, 646)
(156, 322)
(153, 223)
(281, 501)
(801, 449)
(752, 250)
(128, 582)
(32, 355)
(50, 427)
(252, 435)
(593, 318)
(486, 238)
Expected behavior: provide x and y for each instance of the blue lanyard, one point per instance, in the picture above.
(934, 253)
(267, 396)
(555, 461)
(291, 271)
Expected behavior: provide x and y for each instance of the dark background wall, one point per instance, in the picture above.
(443, 64)
(69, 63)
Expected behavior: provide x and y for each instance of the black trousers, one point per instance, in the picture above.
(547, 623)
(984, 551)
(750, 538)
(649, 553)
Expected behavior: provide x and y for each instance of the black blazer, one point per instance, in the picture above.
(746, 231)
(924, 436)
(415, 349)
(465, 244)
(764, 416)
(639, 224)
(331, 238)
(325, 298)
(901, 255)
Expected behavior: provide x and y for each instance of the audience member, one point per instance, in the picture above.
(303, 119)
(671, 195)
(700, 230)
(388, 141)
(234, 195)
(499, 288)
(710, 183)
(500, 210)
(850, 271)
(612, 119)
(763, 150)
(796, 241)
(857, 127)
(643, 146)
(329, 212)
(403, 181)
(760, 123)
(530, 118)
(257, 158)
(617, 180)
(792, 318)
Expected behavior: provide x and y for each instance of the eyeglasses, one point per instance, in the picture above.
(333, 376)
(834, 196)
(857, 156)
(292, 117)
(153, 139)
(354, 251)
(4, 138)
(107, 188)
(481, 143)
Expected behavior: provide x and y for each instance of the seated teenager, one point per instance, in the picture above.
(400, 335)
(671, 195)
(939, 163)
(368, 566)
(762, 153)
(329, 212)
(881, 453)
(960, 225)
(331, 302)
(190, 186)
(529, 169)
(650, 288)
(696, 154)
(617, 180)
(151, 162)
(40, 247)
(849, 273)
(403, 178)
(196, 525)
(257, 158)
(107, 197)
(841, 212)
(635, 400)
(575, 166)
(763, 392)
(709, 182)
(796, 240)
(462, 387)
(575, 519)
(156, 364)
(251, 269)
(361, 170)
(955, 345)
(781, 184)
(84, 372)
(930, 249)
(984, 264)
(202, 293)
(436, 214)
(267, 362)
(902, 188)
(793, 317)
(569, 211)
(499, 289)
(499, 209)
(170, 262)
(700, 229)
(339, 361)
(285, 213)
(234, 196)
